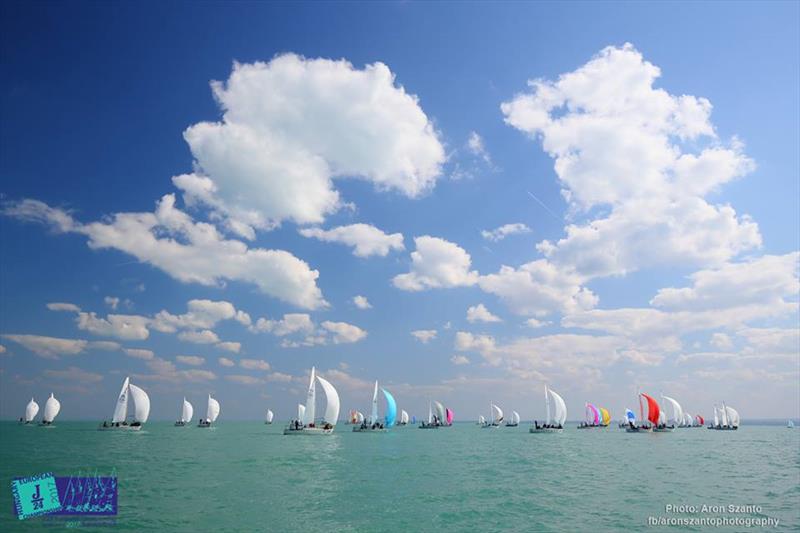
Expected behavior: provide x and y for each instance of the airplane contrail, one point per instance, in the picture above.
(541, 203)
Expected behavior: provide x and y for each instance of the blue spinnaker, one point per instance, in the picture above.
(391, 408)
(630, 415)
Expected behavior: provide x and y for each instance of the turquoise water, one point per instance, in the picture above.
(246, 476)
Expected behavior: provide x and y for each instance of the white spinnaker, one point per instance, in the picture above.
(332, 407)
(31, 410)
(514, 417)
(403, 416)
(187, 412)
(481, 419)
(270, 415)
(374, 414)
(677, 411)
(561, 408)
(440, 412)
(141, 404)
(359, 416)
(311, 399)
(121, 410)
(213, 409)
(547, 404)
(51, 408)
(733, 416)
(687, 419)
(716, 418)
(301, 412)
(497, 413)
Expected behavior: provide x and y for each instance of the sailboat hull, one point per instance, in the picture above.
(546, 430)
(120, 428)
(368, 430)
(307, 431)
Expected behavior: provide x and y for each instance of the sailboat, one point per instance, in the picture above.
(790, 424)
(212, 412)
(727, 420)
(186, 414)
(374, 425)
(403, 418)
(51, 409)
(496, 416)
(448, 417)
(592, 416)
(557, 425)
(306, 423)
(699, 421)
(481, 420)
(270, 416)
(434, 420)
(653, 414)
(141, 411)
(629, 420)
(677, 413)
(31, 410)
(514, 422)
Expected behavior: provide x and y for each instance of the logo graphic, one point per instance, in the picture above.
(73, 495)
(35, 495)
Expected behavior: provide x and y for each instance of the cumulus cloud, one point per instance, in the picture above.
(498, 234)
(244, 380)
(365, 239)
(232, 347)
(466, 341)
(254, 364)
(479, 313)
(437, 263)
(424, 335)
(192, 360)
(224, 361)
(74, 374)
(361, 302)
(163, 370)
(112, 302)
(292, 125)
(201, 314)
(721, 341)
(289, 324)
(60, 306)
(189, 251)
(199, 337)
(139, 353)
(459, 360)
(343, 332)
(49, 347)
(125, 327)
(477, 147)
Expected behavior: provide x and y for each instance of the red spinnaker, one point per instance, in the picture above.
(652, 409)
(701, 420)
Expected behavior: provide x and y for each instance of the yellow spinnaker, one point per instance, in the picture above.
(606, 416)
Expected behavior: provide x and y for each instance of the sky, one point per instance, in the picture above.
(464, 201)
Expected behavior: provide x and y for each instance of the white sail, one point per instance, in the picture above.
(311, 399)
(141, 404)
(561, 408)
(51, 408)
(716, 418)
(270, 415)
(724, 414)
(213, 409)
(733, 416)
(121, 410)
(359, 417)
(514, 417)
(301, 412)
(374, 414)
(662, 417)
(687, 419)
(186, 412)
(481, 419)
(332, 408)
(497, 413)
(677, 411)
(547, 404)
(403, 416)
(440, 412)
(430, 413)
(31, 410)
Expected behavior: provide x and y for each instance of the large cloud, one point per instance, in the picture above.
(293, 124)
(437, 263)
(365, 239)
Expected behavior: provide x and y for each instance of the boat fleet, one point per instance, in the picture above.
(653, 416)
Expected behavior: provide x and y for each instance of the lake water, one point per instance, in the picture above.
(247, 476)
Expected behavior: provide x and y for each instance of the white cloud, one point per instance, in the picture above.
(192, 360)
(772, 340)
(498, 234)
(232, 347)
(437, 263)
(477, 147)
(343, 332)
(479, 313)
(49, 347)
(721, 341)
(289, 324)
(199, 337)
(125, 327)
(2, 349)
(365, 239)
(189, 251)
(254, 364)
(459, 360)
(292, 125)
(139, 353)
(201, 314)
(244, 380)
(224, 361)
(534, 323)
(59, 306)
(539, 288)
(112, 302)
(361, 302)
(619, 145)
(424, 335)
(466, 341)
(164, 370)
(279, 377)
(74, 374)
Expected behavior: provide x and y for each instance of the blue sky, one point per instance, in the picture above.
(673, 158)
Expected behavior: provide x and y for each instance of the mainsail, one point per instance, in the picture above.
(391, 409)
(561, 408)
(440, 412)
(31, 410)
(301, 411)
(332, 407)
(51, 408)
(311, 398)
(733, 416)
(374, 415)
(121, 410)
(141, 403)
(497, 414)
(187, 412)
(213, 409)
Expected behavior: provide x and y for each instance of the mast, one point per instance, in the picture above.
(547, 403)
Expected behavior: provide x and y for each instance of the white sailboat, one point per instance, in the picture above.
(725, 418)
(434, 421)
(212, 413)
(481, 420)
(51, 410)
(403, 418)
(496, 415)
(186, 414)
(270, 416)
(514, 422)
(31, 410)
(141, 403)
(677, 412)
(376, 424)
(790, 424)
(305, 423)
(557, 424)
